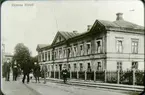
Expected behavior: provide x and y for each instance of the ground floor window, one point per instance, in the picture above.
(119, 65)
(99, 66)
(75, 67)
(134, 65)
(89, 67)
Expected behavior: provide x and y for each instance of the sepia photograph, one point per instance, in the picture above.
(72, 47)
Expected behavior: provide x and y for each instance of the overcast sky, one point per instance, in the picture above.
(39, 23)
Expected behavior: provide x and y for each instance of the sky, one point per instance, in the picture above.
(37, 22)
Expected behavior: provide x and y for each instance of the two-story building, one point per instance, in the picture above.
(105, 45)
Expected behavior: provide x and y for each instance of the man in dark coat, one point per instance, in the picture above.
(26, 68)
(64, 74)
(7, 68)
(37, 71)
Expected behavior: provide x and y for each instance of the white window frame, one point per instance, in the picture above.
(119, 65)
(117, 45)
(134, 65)
(88, 51)
(81, 51)
(75, 52)
(133, 46)
(101, 47)
(101, 68)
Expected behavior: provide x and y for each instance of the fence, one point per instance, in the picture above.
(130, 77)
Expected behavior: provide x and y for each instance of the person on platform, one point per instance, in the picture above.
(64, 74)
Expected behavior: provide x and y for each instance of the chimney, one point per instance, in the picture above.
(75, 31)
(89, 27)
(119, 16)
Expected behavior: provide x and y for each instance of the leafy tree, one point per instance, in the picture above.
(22, 56)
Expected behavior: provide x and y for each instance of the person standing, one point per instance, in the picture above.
(64, 74)
(44, 71)
(37, 71)
(26, 68)
(7, 67)
(15, 71)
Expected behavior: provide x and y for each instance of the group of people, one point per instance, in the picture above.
(16, 71)
(26, 69)
(8, 67)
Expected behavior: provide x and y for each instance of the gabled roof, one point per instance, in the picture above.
(65, 35)
(121, 24)
(68, 35)
(40, 46)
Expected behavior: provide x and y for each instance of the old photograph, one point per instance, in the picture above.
(72, 47)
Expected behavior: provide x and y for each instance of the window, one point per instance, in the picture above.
(99, 46)
(88, 48)
(48, 55)
(75, 67)
(81, 67)
(69, 52)
(75, 50)
(119, 46)
(81, 49)
(60, 52)
(135, 65)
(89, 67)
(134, 46)
(119, 65)
(45, 55)
(99, 66)
(55, 54)
(64, 52)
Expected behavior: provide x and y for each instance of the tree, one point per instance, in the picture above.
(22, 56)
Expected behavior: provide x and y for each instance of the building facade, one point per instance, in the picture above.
(106, 45)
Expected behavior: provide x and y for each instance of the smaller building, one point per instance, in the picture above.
(8, 56)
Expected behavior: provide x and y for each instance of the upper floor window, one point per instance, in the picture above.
(75, 50)
(99, 46)
(119, 65)
(99, 66)
(81, 49)
(134, 46)
(64, 52)
(81, 67)
(48, 55)
(135, 65)
(45, 55)
(119, 45)
(89, 67)
(60, 52)
(88, 48)
(69, 52)
(55, 54)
